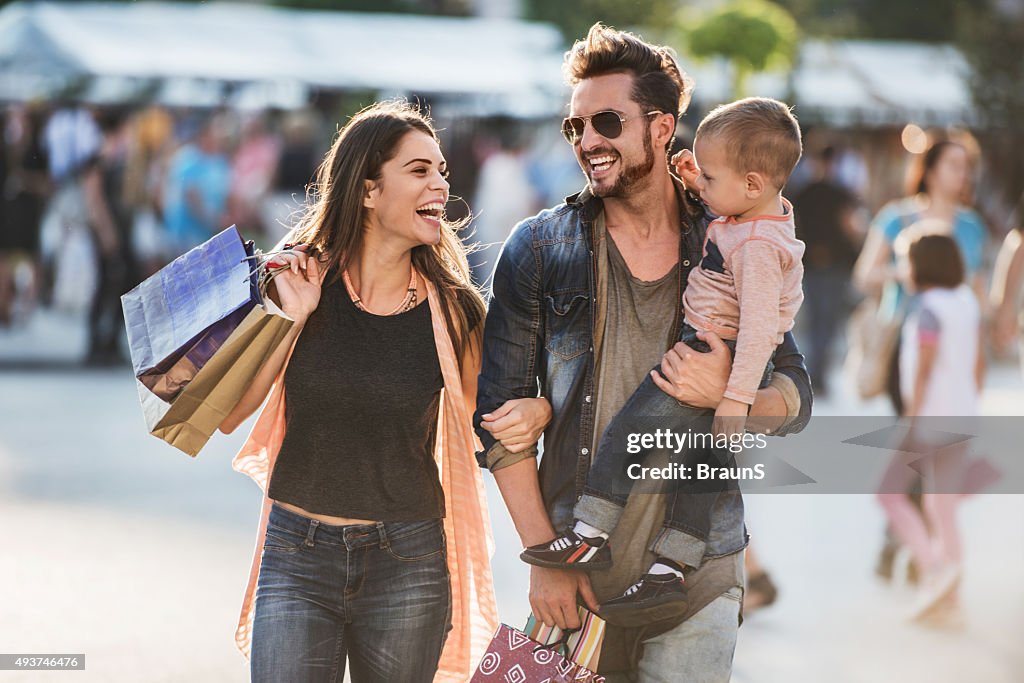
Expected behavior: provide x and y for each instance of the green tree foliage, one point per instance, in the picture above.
(753, 35)
(931, 21)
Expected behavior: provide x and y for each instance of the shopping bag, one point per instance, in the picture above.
(178, 318)
(581, 645)
(200, 406)
(512, 657)
(873, 337)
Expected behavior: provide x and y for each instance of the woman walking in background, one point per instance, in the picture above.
(939, 188)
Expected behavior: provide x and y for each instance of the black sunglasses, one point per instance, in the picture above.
(608, 124)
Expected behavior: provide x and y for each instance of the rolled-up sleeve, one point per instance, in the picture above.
(793, 382)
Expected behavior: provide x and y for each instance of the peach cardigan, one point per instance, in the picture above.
(467, 526)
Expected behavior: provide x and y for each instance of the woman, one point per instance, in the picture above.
(940, 189)
(373, 493)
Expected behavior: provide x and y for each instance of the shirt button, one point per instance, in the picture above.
(585, 451)
(587, 399)
(686, 262)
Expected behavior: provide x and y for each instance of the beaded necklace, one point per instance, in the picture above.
(407, 304)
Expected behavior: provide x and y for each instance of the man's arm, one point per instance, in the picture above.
(789, 363)
(699, 379)
(512, 342)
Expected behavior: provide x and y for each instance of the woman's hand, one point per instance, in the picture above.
(298, 284)
(518, 423)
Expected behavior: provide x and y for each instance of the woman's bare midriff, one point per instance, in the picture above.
(326, 519)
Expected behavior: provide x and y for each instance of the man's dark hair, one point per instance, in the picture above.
(658, 82)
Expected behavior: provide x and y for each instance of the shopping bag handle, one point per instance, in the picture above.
(562, 643)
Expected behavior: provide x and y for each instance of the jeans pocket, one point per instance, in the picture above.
(282, 540)
(422, 541)
(734, 593)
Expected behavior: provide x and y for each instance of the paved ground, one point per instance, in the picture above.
(120, 547)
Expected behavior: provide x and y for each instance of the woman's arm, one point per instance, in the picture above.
(873, 268)
(298, 292)
(1007, 279)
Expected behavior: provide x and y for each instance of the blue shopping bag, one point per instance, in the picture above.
(177, 319)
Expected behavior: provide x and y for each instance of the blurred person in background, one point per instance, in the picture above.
(196, 188)
(827, 220)
(110, 223)
(503, 195)
(24, 188)
(942, 367)
(253, 167)
(939, 188)
(295, 167)
(71, 137)
(376, 533)
(149, 152)
(1007, 283)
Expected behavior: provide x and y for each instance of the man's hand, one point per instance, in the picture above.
(553, 596)
(518, 423)
(694, 378)
(730, 418)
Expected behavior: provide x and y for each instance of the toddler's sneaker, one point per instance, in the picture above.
(570, 551)
(653, 598)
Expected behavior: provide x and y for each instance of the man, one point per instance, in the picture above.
(196, 189)
(586, 300)
(828, 221)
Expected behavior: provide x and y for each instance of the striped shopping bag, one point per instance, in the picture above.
(582, 645)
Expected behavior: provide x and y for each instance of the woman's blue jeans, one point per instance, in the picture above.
(376, 594)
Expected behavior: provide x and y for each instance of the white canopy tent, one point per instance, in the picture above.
(858, 83)
(46, 47)
(247, 55)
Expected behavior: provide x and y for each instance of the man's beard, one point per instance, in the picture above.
(630, 176)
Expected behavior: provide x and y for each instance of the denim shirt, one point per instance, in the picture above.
(539, 340)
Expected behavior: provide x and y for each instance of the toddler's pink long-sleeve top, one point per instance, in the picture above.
(748, 287)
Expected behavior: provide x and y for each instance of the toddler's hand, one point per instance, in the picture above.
(686, 168)
(730, 418)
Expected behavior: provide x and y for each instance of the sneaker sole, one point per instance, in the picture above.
(653, 610)
(575, 566)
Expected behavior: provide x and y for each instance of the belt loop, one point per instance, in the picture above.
(383, 536)
(313, 524)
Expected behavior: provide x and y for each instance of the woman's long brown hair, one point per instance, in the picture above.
(334, 223)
